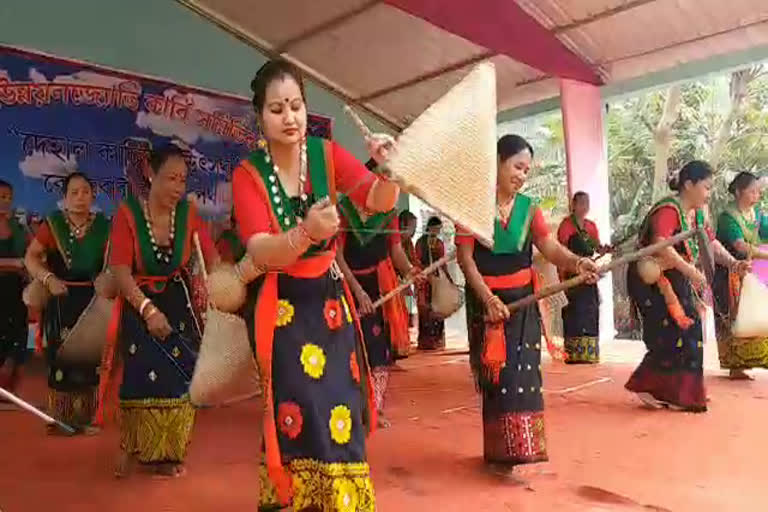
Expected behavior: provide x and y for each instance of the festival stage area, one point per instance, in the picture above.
(607, 453)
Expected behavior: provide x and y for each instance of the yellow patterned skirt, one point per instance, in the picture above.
(743, 353)
(73, 408)
(156, 430)
(330, 487)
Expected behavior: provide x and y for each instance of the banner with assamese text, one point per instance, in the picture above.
(59, 115)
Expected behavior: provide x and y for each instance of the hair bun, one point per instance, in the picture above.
(674, 183)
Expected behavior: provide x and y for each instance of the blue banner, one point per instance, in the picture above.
(58, 116)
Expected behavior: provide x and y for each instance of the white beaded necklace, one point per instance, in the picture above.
(274, 182)
(162, 254)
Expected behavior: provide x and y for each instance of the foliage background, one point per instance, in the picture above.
(721, 118)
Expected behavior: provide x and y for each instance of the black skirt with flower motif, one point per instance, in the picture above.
(318, 397)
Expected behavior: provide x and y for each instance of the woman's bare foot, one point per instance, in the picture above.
(739, 375)
(383, 422)
(397, 368)
(91, 430)
(649, 401)
(170, 470)
(507, 472)
(123, 466)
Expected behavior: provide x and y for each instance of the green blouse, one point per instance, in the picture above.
(733, 226)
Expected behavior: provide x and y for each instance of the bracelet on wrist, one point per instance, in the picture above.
(302, 231)
(579, 262)
(146, 302)
(46, 278)
(151, 310)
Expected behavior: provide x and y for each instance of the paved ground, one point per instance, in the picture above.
(606, 453)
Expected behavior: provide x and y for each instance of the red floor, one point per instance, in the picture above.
(606, 453)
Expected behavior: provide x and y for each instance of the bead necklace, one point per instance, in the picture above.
(274, 184)
(503, 210)
(75, 233)
(162, 254)
(75, 230)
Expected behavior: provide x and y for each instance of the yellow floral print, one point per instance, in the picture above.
(284, 312)
(341, 424)
(313, 360)
(346, 495)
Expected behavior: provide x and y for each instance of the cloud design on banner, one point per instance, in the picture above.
(39, 164)
(81, 77)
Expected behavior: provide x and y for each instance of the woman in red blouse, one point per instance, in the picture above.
(14, 328)
(505, 349)
(66, 256)
(156, 326)
(301, 314)
(429, 248)
(581, 317)
(370, 253)
(672, 374)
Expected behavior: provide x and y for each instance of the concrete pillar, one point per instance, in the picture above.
(586, 157)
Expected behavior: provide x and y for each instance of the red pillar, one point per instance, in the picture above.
(586, 157)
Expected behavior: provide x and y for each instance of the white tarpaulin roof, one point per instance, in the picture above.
(394, 63)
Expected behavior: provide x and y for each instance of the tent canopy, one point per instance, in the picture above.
(393, 58)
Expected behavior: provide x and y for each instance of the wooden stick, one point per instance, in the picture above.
(199, 251)
(34, 410)
(618, 262)
(203, 270)
(359, 122)
(427, 270)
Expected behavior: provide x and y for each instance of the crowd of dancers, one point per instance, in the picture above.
(326, 226)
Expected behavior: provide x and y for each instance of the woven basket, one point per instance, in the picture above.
(457, 132)
(446, 297)
(226, 371)
(36, 295)
(106, 285)
(85, 342)
(751, 320)
(225, 289)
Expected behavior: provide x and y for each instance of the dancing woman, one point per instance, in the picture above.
(66, 255)
(301, 313)
(371, 250)
(156, 328)
(741, 228)
(671, 373)
(14, 328)
(505, 349)
(581, 317)
(429, 248)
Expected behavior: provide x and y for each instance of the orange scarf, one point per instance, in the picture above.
(394, 310)
(495, 351)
